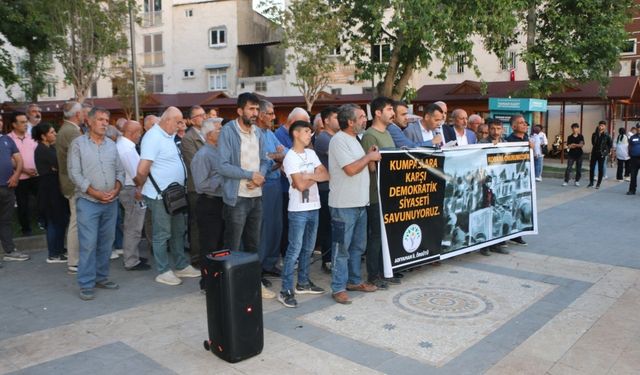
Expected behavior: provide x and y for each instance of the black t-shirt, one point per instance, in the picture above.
(577, 139)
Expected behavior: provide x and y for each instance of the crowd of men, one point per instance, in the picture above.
(280, 194)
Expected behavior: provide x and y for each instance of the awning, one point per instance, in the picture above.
(216, 66)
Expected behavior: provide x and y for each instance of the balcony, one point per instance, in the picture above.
(150, 19)
(151, 59)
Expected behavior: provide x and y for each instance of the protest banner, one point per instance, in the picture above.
(436, 204)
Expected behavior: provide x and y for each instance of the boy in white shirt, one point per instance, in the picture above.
(304, 170)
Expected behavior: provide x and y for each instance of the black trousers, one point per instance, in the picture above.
(634, 162)
(7, 201)
(210, 226)
(25, 190)
(624, 169)
(592, 166)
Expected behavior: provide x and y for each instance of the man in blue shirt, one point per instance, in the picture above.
(9, 176)
(271, 231)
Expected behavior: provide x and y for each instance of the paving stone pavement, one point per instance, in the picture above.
(565, 304)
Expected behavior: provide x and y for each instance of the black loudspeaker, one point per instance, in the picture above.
(234, 305)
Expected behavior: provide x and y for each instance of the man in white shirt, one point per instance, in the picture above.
(131, 197)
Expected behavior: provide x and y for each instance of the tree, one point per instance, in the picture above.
(122, 83)
(311, 31)
(7, 74)
(573, 41)
(394, 38)
(25, 25)
(91, 32)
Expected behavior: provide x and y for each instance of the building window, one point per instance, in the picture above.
(153, 55)
(188, 13)
(629, 47)
(153, 83)
(188, 73)
(51, 89)
(21, 71)
(218, 79)
(94, 90)
(218, 37)
(261, 86)
(509, 61)
(152, 15)
(381, 53)
(335, 52)
(457, 67)
(336, 92)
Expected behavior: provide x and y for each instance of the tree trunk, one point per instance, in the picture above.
(392, 70)
(398, 90)
(531, 39)
(32, 94)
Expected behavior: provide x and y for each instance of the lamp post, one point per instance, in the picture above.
(136, 105)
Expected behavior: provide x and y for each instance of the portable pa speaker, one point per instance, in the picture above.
(234, 305)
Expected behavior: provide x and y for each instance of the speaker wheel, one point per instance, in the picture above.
(206, 345)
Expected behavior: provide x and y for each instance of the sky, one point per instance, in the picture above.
(256, 3)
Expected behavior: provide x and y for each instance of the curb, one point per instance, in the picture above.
(31, 243)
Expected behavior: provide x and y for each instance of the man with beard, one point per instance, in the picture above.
(243, 165)
(378, 136)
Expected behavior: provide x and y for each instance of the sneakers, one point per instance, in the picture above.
(106, 284)
(310, 288)
(392, 280)
(188, 271)
(72, 270)
(598, 186)
(87, 294)
(362, 287)
(565, 183)
(379, 283)
(168, 278)
(287, 299)
(519, 241)
(342, 298)
(590, 185)
(57, 259)
(17, 256)
(275, 272)
(627, 179)
(139, 267)
(114, 255)
(577, 183)
(266, 293)
(538, 179)
(631, 193)
(119, 251)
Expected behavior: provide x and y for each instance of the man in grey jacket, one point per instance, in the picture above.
(243, 165)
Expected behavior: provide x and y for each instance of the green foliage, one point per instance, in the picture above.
(7, 74)
(88, 33)
(123, 88)
(311, 31)
(25, 24)
(573, 41)
(419, 32)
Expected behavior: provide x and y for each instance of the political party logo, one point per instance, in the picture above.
(412, 238)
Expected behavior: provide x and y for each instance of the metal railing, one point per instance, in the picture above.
(150, 19)
(150, 59)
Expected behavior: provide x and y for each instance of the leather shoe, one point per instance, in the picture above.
(362, 287)
(139, 267)
(342, 297)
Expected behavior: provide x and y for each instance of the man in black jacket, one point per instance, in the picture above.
(602, 144)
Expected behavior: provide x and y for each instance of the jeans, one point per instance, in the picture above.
(27, 187)
(324, 227)
(96, 232)
(271, 229)
(118, 241)
(242, 224)
(165, 228)
(635, 165)
(600, 161)
(567, 172)
(303, 227)
(624, 169)
(537, 165)
(349, 236)
(7, 202)
(55, 236)
(374, 243)
(133, 222)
